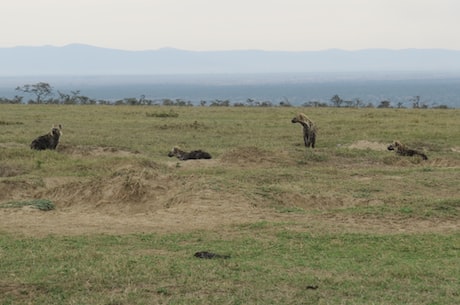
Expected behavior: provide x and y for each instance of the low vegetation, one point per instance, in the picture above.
(41, 204)
(43, 93)
(348, 222)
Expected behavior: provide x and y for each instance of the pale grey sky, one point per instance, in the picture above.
(288, 25)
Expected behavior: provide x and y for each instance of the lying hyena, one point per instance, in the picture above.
(402, 150)
(309, 129)
(48, 141)
(183, 155)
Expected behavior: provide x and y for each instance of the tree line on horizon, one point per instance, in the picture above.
(43, 93)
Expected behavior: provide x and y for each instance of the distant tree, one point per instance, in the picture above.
(336, 101)
(250, 102)
(314, 104)
(370, 105)
(285, 102)
(15, 100)
(384, 104)
(415, 101)
(181, 102)
(265, 104)
(167, 102)
(143, 100)
(130, 101)
(104, 102)
(441, 107)
(220, 103)
(40, 90)
(358, 103)
(64, 98)
(74, 98)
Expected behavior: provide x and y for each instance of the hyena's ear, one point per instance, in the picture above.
(60, 126)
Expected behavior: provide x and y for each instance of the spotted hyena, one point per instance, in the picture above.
(309, 129)
(183, 155)
(402, 150)
(48, 141)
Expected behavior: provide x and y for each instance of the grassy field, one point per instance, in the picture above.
(108, 218)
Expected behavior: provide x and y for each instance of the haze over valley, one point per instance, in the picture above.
(78, 59)
(371, 75)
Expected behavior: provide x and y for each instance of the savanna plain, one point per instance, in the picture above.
(109, 218)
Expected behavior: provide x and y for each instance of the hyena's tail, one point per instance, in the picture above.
(424, 157)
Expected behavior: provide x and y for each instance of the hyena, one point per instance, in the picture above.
(402, 150)
(48, 141)
(309, 129)
(183, 155)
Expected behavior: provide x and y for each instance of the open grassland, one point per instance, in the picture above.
(108, 218)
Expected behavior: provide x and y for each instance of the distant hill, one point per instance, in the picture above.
(77, 59)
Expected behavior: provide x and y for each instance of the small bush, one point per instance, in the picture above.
(163, 114)
(41, 204)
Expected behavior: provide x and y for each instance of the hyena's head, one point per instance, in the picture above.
(396, 145)
(300, 118)
(174, 151)
(56, 130)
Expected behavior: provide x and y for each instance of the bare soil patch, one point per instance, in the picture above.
(94, 151)
(214, 215)
(192, 164)
(243, 156)
(363, 144)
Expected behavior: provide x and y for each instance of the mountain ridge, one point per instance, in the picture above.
(82, 59)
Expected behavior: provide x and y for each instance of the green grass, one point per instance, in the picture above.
(338, 207)
(275, 269)
(41, 204)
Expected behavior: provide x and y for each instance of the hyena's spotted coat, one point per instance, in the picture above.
(48, 141)
(183, 155)
(309, 129)
(402, 150)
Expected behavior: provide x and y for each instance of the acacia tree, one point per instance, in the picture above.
(336, 101)
(40, 90)
(415, 101)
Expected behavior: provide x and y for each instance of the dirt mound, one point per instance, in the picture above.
(253, 155)
(363, 144)
(137, 197)
(7, 170)
(131, 189)
(190, 164)
(93, 151)
(17, 189)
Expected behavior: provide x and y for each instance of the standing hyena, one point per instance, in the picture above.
(48, 141)
(309, 129)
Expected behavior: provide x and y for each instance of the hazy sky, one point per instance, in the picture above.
(290, 25)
